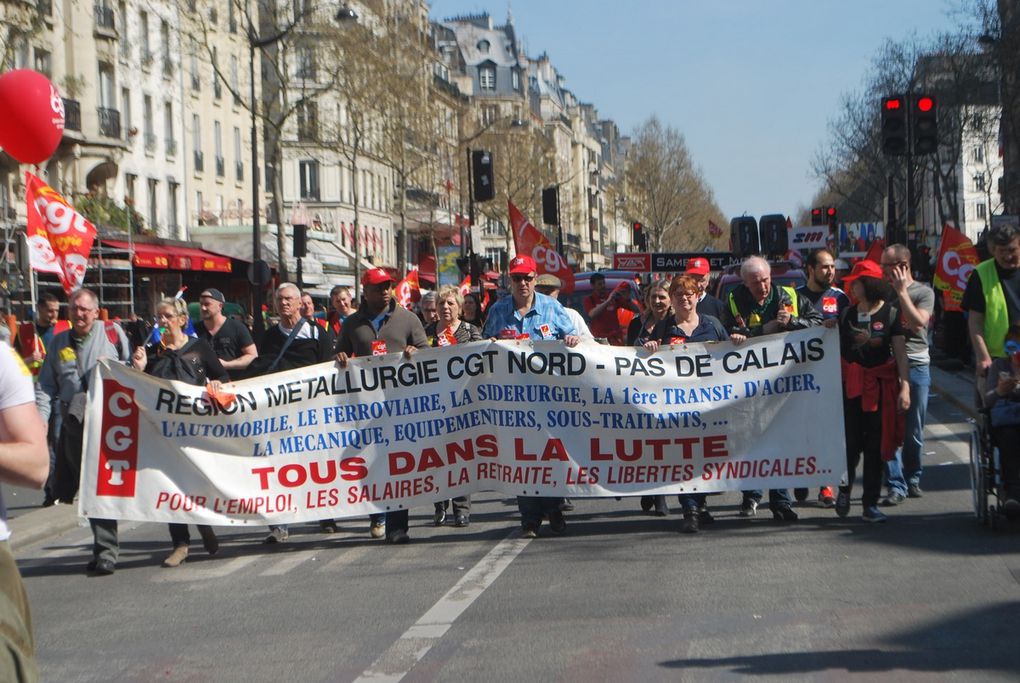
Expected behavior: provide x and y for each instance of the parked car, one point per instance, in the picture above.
(784, 274)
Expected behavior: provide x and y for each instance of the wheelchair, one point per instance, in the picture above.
(986, 485)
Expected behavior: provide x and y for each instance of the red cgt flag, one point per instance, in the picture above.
(59, 238)
(529, 241)
(957, 259)
(408, 290)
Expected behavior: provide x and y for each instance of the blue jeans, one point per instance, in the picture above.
(777, 497)
(905, 468)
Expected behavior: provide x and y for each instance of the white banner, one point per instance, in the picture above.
(521, 418)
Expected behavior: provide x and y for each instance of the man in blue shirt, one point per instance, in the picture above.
(525, 314)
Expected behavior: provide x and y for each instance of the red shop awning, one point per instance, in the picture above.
(172, 257)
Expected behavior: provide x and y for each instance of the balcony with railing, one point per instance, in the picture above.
(150, 143)
(171, 147)
(106, 24)
(199, 161)
(72, 114)
(109, 122)
(221, 167)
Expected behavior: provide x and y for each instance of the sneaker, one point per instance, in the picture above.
(825, 497)
(461, 519)
(784, 513)
(529, 531)
(177, 557)
(439, 517)
(914, 491)
(843, 504)
(749, 507)
(399, 537)
(800, 494)
(377, 529)
(327, 526)
(874, 515)
(893, 499)
(557, 523)
(277, 534)
(566, 505)
(690, 523)
(209, 540)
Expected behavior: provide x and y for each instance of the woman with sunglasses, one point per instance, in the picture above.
(685, 325)
(177, 356)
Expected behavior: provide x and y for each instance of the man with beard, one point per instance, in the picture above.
(380, 326)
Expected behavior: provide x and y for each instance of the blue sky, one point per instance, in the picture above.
(752, 84)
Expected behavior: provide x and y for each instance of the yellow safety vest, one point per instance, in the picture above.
(996, 313)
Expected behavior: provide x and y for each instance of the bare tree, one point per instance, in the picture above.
(665, 191)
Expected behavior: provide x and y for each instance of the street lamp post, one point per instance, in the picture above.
(259, 275)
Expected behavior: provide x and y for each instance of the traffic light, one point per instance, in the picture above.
(551, 205)
(926, 131)
(817, 216)
(300, 241)
(482, 176)
(640, 241)
(831, 219)
(894, 126)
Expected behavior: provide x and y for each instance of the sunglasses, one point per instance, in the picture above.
(522, 278)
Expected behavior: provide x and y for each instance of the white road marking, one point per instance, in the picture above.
(346, 558)
(217, 570)
(291, 560)
(416, 642)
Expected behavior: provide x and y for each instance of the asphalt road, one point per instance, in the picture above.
(929, 595)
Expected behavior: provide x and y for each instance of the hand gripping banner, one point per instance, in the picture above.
(523, 418)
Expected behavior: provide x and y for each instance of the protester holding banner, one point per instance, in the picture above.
(685, 325)
(379, 327)
(876, 384)
(830, 301)
(292, 343)
(526, 314)
(550, 285)
(755, 308)
(700, 269)
(449, 330)
(190, 360)
(23, 462)
(64, 379)
(656, 309)
(992, 297)
(916, 302)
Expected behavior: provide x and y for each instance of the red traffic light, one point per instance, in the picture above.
(816, 212)
(831, 211)
(637, 226)
(925, 103)
(893, 103)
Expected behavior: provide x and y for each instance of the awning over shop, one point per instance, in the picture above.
(166, 257)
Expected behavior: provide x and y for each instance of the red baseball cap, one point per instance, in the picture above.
(523, 265)
(865, 268)
(376, 276)
(697, 266)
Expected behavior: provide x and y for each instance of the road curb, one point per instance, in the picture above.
(38, 525)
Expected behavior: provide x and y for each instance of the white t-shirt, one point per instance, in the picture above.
(15, 389)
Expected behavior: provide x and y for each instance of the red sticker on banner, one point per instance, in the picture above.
(678, 340)
(378, 347)
(830, 305)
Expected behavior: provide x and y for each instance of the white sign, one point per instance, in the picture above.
(522, 418)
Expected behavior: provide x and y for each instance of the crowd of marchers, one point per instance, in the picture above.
(882, 315)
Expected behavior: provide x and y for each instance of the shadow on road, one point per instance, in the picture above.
(970, 640)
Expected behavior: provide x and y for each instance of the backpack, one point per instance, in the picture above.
(183, 364)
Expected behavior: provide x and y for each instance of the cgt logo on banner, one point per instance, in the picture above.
(118, 450)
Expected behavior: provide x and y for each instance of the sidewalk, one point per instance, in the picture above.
(956, 387)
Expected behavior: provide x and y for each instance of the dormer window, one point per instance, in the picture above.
(487, 77)
(483, 46)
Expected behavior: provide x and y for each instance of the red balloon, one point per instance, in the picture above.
(31, 116)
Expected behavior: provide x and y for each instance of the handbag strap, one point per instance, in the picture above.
(286, 345)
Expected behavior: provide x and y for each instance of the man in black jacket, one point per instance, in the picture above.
(756, 308)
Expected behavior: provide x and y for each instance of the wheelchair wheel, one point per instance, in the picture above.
(978, 480)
